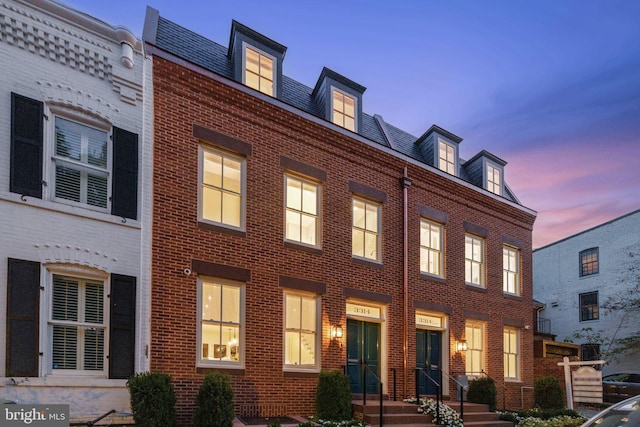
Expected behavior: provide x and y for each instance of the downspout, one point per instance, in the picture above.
(406, 183)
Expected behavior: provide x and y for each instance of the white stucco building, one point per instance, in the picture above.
(574, 277)
(75, 154)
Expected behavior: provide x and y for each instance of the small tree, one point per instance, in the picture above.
(483, 390)
(214, 402)
(333, 397)
(547, 393)
(153, 399)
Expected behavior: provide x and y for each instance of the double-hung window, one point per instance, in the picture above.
(220, 318)
(366, 229)
(446, 157)
(511, 350)
(222, 188)
(344, 110)
(81, 163)
(511, 270)
(494, 182)
(475, 355)
(259, 70)
(78, 325)
(301, 347)
(302, 210)
(431, 244)
(589, 306)
(474, 260)
(589, 262)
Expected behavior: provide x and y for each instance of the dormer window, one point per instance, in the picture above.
(494, 180)
(258, 70)
(446, 157)
(344, 110)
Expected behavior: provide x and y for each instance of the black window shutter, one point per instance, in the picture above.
(27, 126)
(23, 315)
(122, 331)
(124, 197)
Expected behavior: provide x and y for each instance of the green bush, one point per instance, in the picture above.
(547, 393)
(483, 390)
(333, 396)
(214, 402)
(153, 399)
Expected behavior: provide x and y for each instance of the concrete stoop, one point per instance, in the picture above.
(402, 414)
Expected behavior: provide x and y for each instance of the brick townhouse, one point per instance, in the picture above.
(73, 289)
(294, 233)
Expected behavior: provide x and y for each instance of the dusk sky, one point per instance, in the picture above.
(551, 87)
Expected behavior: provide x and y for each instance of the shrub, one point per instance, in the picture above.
(547, 393)
(483, 390)
(214, 402)
(153, 399)
(333, 396)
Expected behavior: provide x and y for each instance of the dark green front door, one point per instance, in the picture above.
(428, 357)
(363, 348)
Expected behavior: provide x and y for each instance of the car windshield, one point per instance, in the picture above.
(625, 414)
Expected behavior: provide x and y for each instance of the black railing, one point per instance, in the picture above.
(394, 384)
(460, 388)
(420, 371)
(543, 325)
(504, 390)
(366, 369)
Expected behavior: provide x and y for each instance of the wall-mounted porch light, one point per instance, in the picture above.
(336, 332)
(461, 346)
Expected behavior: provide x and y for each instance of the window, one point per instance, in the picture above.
(80, 163)
(365, 230)
(220, 318)
(447, 157)
(222, 188)
(589, 262)
(302, 210)
(589, 306)
(511, 270)
(494, 183)
(589, 352)
(511, 349)
(77, 324)
(474, 360)
(301, 331)
(431, 238)
(259, 70)
(344, 110)
(474, 260)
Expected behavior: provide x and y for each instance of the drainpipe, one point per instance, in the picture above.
(406, 183)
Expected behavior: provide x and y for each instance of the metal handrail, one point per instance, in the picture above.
(461, 393)
(438, 391)
(504, 387)
(394, 383)
(364, 388)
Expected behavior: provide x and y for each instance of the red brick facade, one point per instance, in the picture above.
(188, 96)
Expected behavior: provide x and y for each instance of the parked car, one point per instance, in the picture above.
(617, 387)
(625, 413)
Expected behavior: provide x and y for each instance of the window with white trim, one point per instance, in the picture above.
(366, 229)
(302, 210)
(220, 320)
(77, 325)
(80, 164)
(511, 350)
(259, 70)
(474, 260)
(475, 354)
(494, 181)
(301, 346)
(510, 270)
(222, 188)
(446, 157)
(343, 110)
(431, 244)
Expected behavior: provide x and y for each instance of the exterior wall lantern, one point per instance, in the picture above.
(461, 346)
(336, 332)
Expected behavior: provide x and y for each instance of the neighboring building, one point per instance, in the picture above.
(74, 276)
(574, 276)
(295, 233)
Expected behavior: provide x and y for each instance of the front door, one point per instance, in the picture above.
(428, 357)
(363, 349)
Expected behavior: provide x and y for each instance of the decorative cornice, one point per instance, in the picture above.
(59, 254)
(65, 95)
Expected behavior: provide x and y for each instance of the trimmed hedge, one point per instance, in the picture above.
(333, 396)
(483, 390)
(153, 399)
(547, 393)
(214, 402)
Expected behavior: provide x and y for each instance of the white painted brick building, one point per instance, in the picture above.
(573, 277)
(75, 162)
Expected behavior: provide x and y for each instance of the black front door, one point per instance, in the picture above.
(363, 348)
(428, 357)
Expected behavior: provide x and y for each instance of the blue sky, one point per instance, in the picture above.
(552, 87)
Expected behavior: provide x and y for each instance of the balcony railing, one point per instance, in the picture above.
(543, 325)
